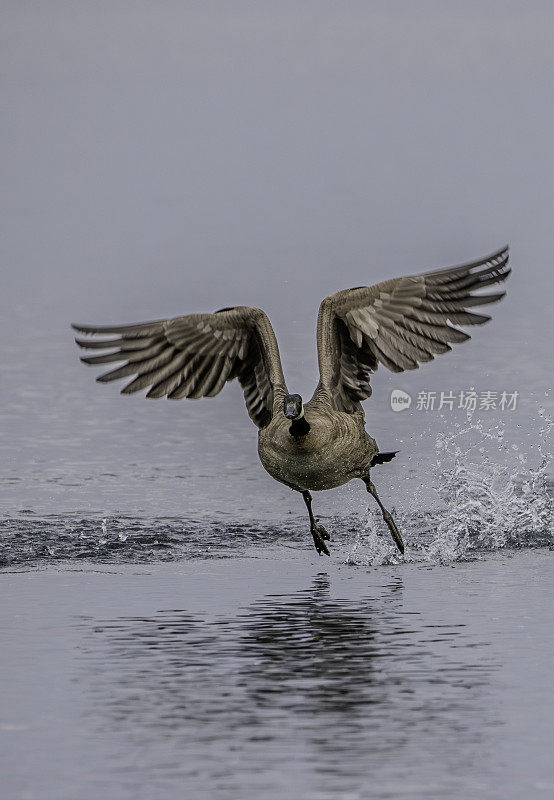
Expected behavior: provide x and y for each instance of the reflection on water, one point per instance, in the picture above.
(295, 693)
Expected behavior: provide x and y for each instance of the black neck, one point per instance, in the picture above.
(299, 427)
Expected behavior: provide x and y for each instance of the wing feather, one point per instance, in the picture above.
(133, 367)
(400, 323)
(194, 356)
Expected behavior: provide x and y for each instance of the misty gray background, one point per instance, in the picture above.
(174, 157)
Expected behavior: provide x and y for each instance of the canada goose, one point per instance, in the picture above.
(399, 323)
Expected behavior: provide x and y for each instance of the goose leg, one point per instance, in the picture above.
(386, 515)
(318, 531)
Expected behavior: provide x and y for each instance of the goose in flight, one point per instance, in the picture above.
(322, 444)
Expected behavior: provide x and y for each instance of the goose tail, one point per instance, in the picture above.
(382, 458)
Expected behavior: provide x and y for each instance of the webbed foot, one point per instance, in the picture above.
(318, 531)
(320, 534)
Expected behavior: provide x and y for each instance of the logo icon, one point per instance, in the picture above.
(399, 400)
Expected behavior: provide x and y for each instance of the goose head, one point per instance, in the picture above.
(293, 407)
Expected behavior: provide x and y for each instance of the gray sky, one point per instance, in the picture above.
(170, 157)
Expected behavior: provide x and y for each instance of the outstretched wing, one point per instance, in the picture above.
(194, 356)
(400, 323)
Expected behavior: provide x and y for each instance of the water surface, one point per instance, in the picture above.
(270, 674)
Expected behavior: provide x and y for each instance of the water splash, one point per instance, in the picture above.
(372, 546)
(489, 496)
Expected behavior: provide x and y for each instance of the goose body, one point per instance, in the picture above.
(336, 449)
(399, 323)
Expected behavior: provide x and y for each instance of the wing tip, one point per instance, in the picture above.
(503, 253)
(154, 393)
(91, 330)
(498, 253)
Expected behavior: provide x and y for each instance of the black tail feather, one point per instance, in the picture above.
(382, 458)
